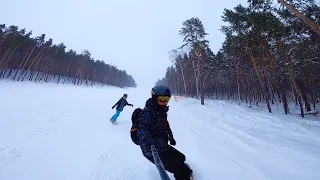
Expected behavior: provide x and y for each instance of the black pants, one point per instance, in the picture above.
(173, 161)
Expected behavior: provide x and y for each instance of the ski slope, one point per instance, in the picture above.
(63, 132)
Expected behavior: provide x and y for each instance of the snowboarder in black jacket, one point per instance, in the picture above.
(154, 129)
(120, 105)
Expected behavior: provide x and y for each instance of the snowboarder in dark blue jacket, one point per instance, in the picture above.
(154, 129)
(120, 105)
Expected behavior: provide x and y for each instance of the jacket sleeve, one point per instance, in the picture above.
(169, 131)
(128, 104)
(116, 103)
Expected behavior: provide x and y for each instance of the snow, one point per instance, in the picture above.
(52, 132)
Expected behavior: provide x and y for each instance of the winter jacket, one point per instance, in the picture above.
(121, 104)
(154, 129)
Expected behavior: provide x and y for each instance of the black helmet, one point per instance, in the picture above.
(160, 90)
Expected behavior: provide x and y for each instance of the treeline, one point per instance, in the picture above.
(25, 58)
(271, 54)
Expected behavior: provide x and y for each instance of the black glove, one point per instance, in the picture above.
(112, 107)
(166, 109)
(172, 142)
(132, 105)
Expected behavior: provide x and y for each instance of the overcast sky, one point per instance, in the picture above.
(133, 35)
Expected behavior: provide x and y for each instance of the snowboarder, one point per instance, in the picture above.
(154, 129)
(120, 105)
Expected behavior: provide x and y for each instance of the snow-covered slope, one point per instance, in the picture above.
(63, 132)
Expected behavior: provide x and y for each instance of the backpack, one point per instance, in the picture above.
(135, 118)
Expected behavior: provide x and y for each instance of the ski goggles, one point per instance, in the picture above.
(164, 98)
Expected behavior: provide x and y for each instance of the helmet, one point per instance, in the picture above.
(160, 90)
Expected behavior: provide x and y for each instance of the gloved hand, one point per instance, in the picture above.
(166, 109)
(112, 107)
(173, 142)
(132, 105)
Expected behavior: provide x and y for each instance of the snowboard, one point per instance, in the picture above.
(113, 123)
(191, 177)
(192, 174)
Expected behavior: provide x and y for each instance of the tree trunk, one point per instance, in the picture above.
(3, 59)
(306, 20)
(42, 69)
(12, 53)
(196, 78)
(4, 38)
(38, 62)
(36, 57)
(298, 97)
(201, 81)
(200, 62)
(238, 85)
(254, 63)
(174, 82)
(275, 73)
(290, 70)
(184, 81)
(66, 74)
(304, 94)
(93, 78)
(19, 68)
(26, 62)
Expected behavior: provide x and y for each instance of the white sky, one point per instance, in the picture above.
(133, 35)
